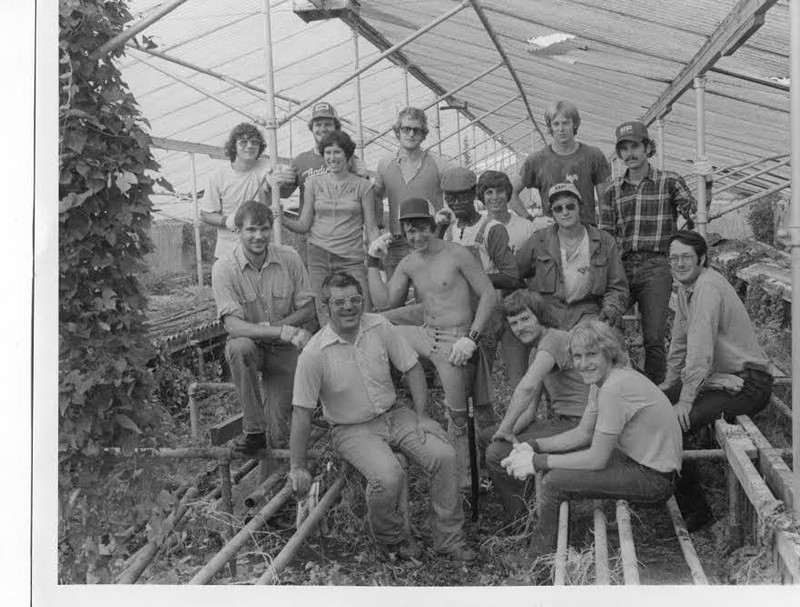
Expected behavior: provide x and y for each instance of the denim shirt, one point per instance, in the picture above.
(539, 259)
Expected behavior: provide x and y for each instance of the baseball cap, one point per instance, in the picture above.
(563, 188)
(632, 131)
(322, 109)
(415, 208)
(458, 179)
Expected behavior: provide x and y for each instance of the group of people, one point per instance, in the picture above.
(427, 276)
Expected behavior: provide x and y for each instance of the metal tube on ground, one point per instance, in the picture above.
(246, 469)
(218, 561)
(220, 453)
(288, 552)
(700, 107)
(271, 123)
(226, 494)
(602, 575)
(560, 576)
(630, 567)
(145, 555)
(685, 541)
(193, 414)
(259, 492)
(198, 250)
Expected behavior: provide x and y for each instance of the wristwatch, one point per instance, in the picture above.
(474, 335)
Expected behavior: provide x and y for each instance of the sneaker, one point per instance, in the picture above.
(251, 444)
(462, 554)
(408, 549)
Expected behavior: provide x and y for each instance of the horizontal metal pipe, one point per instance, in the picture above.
(493, 137)
(477, 119)
(728, 186)
(259, 492)
(751, 199)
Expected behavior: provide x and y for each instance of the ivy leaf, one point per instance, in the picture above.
(72, 200)
(127, 423)
(124, 181)
(74, 140)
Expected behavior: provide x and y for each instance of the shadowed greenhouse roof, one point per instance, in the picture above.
(617, 60)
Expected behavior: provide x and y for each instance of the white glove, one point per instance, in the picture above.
(702, 167)
(288, 333)
(462, 350)
(445, 216)
(300, 338)
(229, 222)
(380, 246)
(519, 463)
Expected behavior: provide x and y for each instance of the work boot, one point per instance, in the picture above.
(458, 437)
(251, 444)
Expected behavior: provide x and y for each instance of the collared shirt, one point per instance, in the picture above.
(643, 216)
(425, 182)
(280, 287)
(353, 381)
(711, 333)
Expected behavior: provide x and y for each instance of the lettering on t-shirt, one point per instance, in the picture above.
(310, 173)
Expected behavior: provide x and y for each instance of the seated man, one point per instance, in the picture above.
(626, 446)
(447, 279)
(550, 369)
(346, 366)
(263, 295)
(715, 365)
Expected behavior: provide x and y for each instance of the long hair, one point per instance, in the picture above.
(522, 300)
(562, 107)
(243, 130)
(591, 333)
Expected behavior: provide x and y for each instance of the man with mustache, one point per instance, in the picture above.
(640, 209)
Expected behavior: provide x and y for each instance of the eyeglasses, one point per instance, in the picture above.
(412, 130)
(466, 196)
(243, 143)
(341, 302)
(570, 206)
(686, 258)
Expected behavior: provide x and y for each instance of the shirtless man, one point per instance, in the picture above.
(445, 277)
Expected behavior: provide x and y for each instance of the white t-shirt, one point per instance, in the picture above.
(519, 230)
(225, 190)
(577, 278)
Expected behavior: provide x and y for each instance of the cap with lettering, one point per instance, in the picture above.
(561, 189)
(632, 131)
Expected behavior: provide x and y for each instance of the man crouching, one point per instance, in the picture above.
(346, 366)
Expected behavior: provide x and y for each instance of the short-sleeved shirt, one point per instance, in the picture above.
(353, 381)
(280, 287)
(584, 168)
(311, 164)
(519, 231)
(576, 265)
(631, 407)
(338, 225)
(225, 190)
(568, 392)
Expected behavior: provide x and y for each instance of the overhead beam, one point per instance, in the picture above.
(743, 20)
(212, 151)
(496, 41)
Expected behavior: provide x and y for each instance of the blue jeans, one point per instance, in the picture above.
(650, 285)
(321, 264)
(622, 478)
(368, 447)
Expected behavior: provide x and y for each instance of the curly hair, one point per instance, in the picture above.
(592, 333)
(339, 138)
(562, 107)
(522, 300)
(243, 130)
(494, 179)
(412, 113)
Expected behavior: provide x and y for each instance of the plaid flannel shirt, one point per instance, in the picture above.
(642, 217)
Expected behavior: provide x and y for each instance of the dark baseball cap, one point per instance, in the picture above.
(415, 208)
(632, 131)
(322, 109)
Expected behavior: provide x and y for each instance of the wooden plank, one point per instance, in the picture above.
(776, 472)
(560, 576)
(781, 407)
(630, 566)
(742, 21)
(226, 430)
(602, 575)
(685, 541)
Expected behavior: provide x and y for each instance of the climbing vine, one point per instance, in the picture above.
(106, 175)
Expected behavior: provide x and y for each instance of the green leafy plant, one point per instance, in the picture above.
(106, 175)
(762, 220)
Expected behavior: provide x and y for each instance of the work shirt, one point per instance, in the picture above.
(643, 216)
(280, 287)
(353, 381)
(632, 408)
(711, 333)
(568, 392)
(425, 182)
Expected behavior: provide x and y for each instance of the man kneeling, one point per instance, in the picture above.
(627, 445)
(346, 366)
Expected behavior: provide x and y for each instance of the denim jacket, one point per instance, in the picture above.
(539, 259)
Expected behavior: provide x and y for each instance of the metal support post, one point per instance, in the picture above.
(357, 92)
(405, 86)
(660, 131)
(198, 251)
(700, 157)
(291, 135)
(458, 132)
(794, 28)
(271, 121)
(438, 128)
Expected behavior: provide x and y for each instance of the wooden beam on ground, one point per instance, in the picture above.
(602, 575)
(630, 566)
(560, 576)
(781, 407)
(685, 541)
(776, 473)
(742, 21)
(226, 430)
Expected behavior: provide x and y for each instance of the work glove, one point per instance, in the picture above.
(702, 167)
(229, 222)
(300, 338)
(519, 463)
(462, 351)
(380, 246)
(300, 479)
(445, 216)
